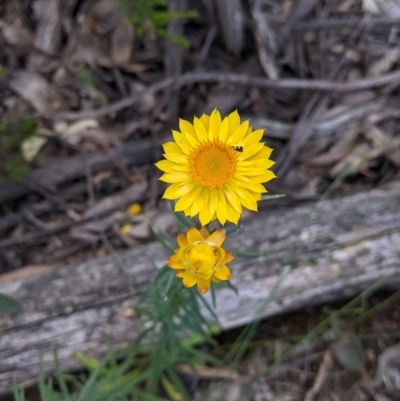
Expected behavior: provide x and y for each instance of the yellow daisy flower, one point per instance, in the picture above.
(216, 166)
(201, 259)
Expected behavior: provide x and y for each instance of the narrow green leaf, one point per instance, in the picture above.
(160, 240)
(254, 254)
(184, 220)
(270, 197)
(233, 229)
(9, 305)
(19, 393)
(172, 392)
(87, 361)
(60, 376)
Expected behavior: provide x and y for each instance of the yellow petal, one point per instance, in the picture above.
(189, 279)
(184, 202)
(200, 130)
(215, 280)
(253, 138)
(239, 134)
(180, 273)
(239, 191)
(205, 119)
(172, 147)
(251, 150)
(223, 130)
(205, 216)
(221, 209)
(264, 153)
(213, 201)
(228, 257)
(203, 285)
(175, 177)
(134, 209)
(182, 240)
(215, 123)
(175, 191)
(248, 201)
(234, 122)
(175, 158)
(175, 262)
(254, 186)
(194, 236)
(198, 202)
(204, 232)
(222, 272)
(217, 238)
(186, 128)
(182, 142)
(183, 252)
(165, 165)
(221, 254)
(232, 199)
(265, 177)
(231, 214)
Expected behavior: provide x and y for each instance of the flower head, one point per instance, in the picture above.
(200, 258)
(216, 166)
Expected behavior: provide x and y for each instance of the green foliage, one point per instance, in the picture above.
(152, 16)
(12, 137)
(9, 305)
(172, 330)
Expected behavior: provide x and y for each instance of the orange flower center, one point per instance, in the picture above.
(212, 164)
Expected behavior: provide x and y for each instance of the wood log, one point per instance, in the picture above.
(314, 253)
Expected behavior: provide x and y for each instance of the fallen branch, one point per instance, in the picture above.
(327, 252)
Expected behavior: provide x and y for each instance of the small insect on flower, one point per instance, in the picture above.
(238, 148)
(201, 259)
(210, 174)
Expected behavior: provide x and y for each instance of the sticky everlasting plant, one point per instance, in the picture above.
(215, 167)
(201, 259)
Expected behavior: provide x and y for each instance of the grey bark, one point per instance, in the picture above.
(315, 253)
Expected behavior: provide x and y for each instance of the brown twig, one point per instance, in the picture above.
(322, 374)
(336, 23)
(239, 79)
(92, 200)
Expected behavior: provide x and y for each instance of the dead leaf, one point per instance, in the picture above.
(353, 159)
(92, 232)
(340, 149)
(384, 63)
(388, 372)
(121, 41)
(30, 147)
(96, 18)
(378, 7)
(118, 200)
(14, 25)
(378, 137)
(34, 89)
(48, 33)
(349, 353)
(81, 130)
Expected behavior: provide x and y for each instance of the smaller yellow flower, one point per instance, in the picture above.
(201, 259)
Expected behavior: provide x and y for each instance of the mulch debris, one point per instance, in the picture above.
(97, 96)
